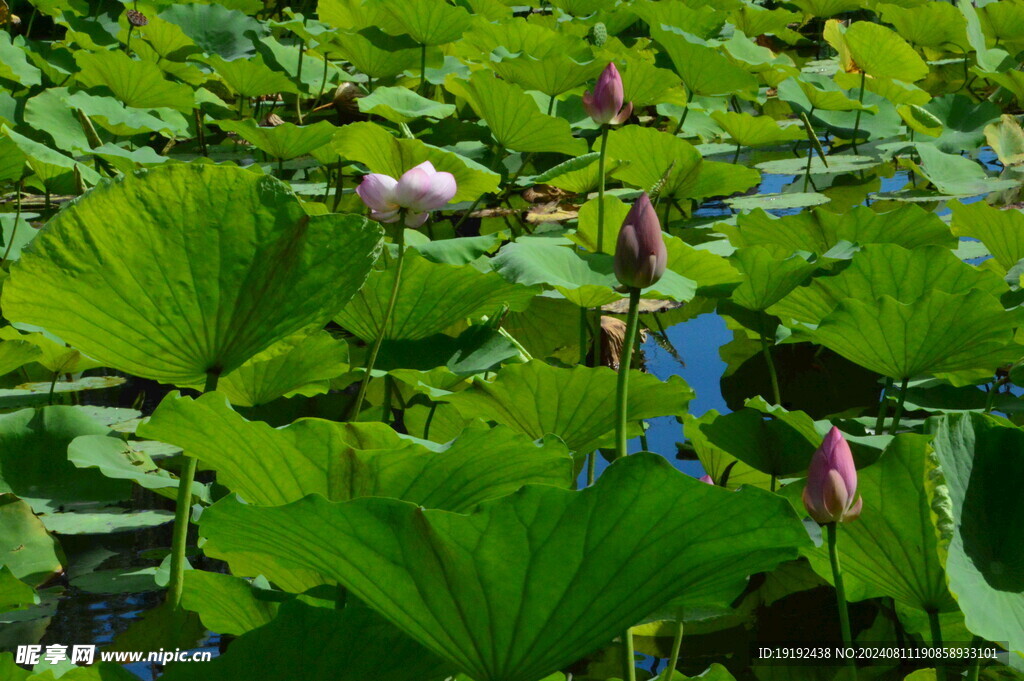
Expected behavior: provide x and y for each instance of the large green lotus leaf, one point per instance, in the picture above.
(1006, 139)
(715, 460)
(818, 230)
(779, 444)
(615, 212)
(55, 356)
(49, 165)
(269, 466)
(705, 71)
(376, 53)
(882, 53)
(934, 24)
(981, 459)
(402, 105)
(1001, 230)
(26, 549)
(767, 278)
(159, 276)
(535, 580)
(953, 174)
(215, 28)
(756, 131)
(431, 297)
(12, 158)
(477, 349)
(819, 94)
(891, 550)
(227, 604)
(827, 8)
(351, 644)
(298, 363)
(285, 141)
(119, 119)
(703, 22)
(139, 84)
(512, 116)
(14, 593)
(586, 279)
(650, 155)
(552, 75)
(382, 152)
(14, 64)
(120, 460)
(34, 462)
(645, 84)
(937, 333)
(428, 22)
(538, 399)
(15, 354)
(286, 59)
(167, 40)
(250, 77)
(104, 521)
(887, 270)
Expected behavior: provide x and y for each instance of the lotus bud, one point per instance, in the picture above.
(640, 254)
(420, 190)
(707, 479)
(604, 104)
(831, 492)
(136, 18)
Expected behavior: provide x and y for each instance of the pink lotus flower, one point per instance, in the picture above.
(417, 192)
(707, 479)
(604, 104)
(831, 492)
(640, 253)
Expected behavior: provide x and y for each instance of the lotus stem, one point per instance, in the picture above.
(551, 105)
(423, 68)
(17, 220)
(621, 397)
(298, 85)
(591, 472)
(832, 529)
(899, 407)
(339, 181)
(389, 387)
(673, 659)
(883, 407)
(584, 345)
(990, 401)
(856, 120)
(628, 657)
(936, 629)
(183, 506)
(766, 350)
(372, 359)
(975, 669)
(600, 190)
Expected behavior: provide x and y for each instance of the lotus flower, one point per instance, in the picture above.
(417, 192)
(831, 492)
(707, 479)
(604, 104)
(640, 254)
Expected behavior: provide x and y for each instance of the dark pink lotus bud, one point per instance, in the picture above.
(604, 104)
(136, 18)
(707, 479)
(640, 254)
(831, 492)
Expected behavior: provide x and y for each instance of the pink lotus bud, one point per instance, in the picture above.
(419, 191)
(640, 254)
(604, 104)
(707, 479)
(831, 492)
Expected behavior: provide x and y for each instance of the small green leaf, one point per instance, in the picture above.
(285, 141)
(402, 105)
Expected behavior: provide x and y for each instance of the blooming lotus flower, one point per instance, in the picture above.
(604, 104)
(417, 192)
(831, 492)
(640, 254)
(707, 479)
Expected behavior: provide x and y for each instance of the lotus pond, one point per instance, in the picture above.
(485, 340)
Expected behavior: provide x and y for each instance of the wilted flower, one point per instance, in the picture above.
(707, 479)
(831, 492)
(604, 104)
(640, 254)
(136, 18)
(419, 191)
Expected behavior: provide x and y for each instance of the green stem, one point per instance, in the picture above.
(975, 669)
(736, 156)
(766, 350)
(990, 401)
(182, 509)
(832, 529)
(423, 68)
(338, 185)
(628, 657)
(551, 105)
(298, 85)
(591, 471)
(774, 482)
(600, 190)
(372, 359)
(856, 121)
(17, 221)
(899, 407)
(623, 379)
(941, 672)
(389, 386)
(584, 345)
(673, 660)
(883, 406)
(682, 119)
